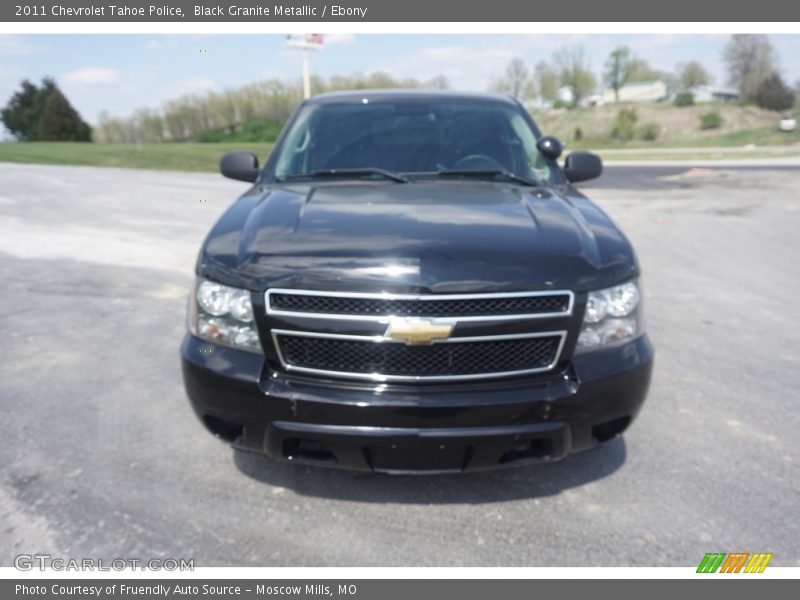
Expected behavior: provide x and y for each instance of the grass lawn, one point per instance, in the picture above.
(174, 157)
(205, 157)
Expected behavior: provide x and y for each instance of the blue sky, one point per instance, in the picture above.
(119, 73)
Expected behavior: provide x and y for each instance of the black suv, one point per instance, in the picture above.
(412, 284)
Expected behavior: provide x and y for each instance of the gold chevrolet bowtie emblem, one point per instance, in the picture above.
(417, 331)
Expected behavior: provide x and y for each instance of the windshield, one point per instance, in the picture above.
(411, 137)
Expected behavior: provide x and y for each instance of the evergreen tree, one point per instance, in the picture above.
(21, 114)
(44, 114)
(774, 94)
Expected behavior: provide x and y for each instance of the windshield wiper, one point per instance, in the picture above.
(493, 173)
(348, 173)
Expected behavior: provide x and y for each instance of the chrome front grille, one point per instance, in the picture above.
(392, 355)
(378, 359)
(461, 307)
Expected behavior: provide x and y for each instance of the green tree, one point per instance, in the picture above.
(639, 69)
(59, 122)
(616, 74)
(774, 94)
(692, 74)
(623, 67)
(574, 72)
(546, 81)
(750, 59)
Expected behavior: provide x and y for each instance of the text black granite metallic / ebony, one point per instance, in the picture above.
(413, 284)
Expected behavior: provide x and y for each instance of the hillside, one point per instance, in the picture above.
(676, 126)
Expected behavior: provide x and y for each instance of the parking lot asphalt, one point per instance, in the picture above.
(102, 456)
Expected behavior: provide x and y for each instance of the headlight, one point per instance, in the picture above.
(613, 316)
(223, 315)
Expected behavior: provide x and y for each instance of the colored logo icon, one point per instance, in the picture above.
(736, 562)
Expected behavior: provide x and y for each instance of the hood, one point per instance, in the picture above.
(417, 237)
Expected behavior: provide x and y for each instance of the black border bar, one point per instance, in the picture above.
(438, 11)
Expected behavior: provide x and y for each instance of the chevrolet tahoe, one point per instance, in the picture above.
(413, 284)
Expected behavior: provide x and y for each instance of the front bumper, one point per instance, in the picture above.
(428, 428)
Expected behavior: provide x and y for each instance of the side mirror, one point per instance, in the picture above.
(550, 147)
(240, 165)
(582, 166)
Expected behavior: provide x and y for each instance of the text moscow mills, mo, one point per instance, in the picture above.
(198, 10)
(190, 590)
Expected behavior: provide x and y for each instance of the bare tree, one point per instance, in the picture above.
(575, 73)
(671, 81)
(440, 82)
(640, 70)
(750, 59)
(216, 114)
(149, 125)
(516, 81)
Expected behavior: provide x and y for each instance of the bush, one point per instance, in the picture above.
(684, 99)
(624, 126)
(250, 131)
(773, 94)
(712, 120)
(649, 132)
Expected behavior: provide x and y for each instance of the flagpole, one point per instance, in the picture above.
(305, 44)
(306, 76)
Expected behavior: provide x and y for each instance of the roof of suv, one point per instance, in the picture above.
(406, 94)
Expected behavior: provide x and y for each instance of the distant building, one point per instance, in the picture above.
(705, 93)
(725, 95)
(702, 93)
(639, 91)
(565, 95)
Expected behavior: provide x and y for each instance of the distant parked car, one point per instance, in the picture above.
(788, 123)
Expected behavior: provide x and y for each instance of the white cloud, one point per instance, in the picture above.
(90, 76)
(339, 38)
(18, 45)
(153, 45)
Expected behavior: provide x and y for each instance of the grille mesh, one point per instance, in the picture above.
(436, 360)
(483, 307)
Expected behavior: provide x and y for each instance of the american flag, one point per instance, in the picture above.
(315, 38)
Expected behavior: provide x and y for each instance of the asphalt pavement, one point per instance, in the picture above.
(102, 456)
